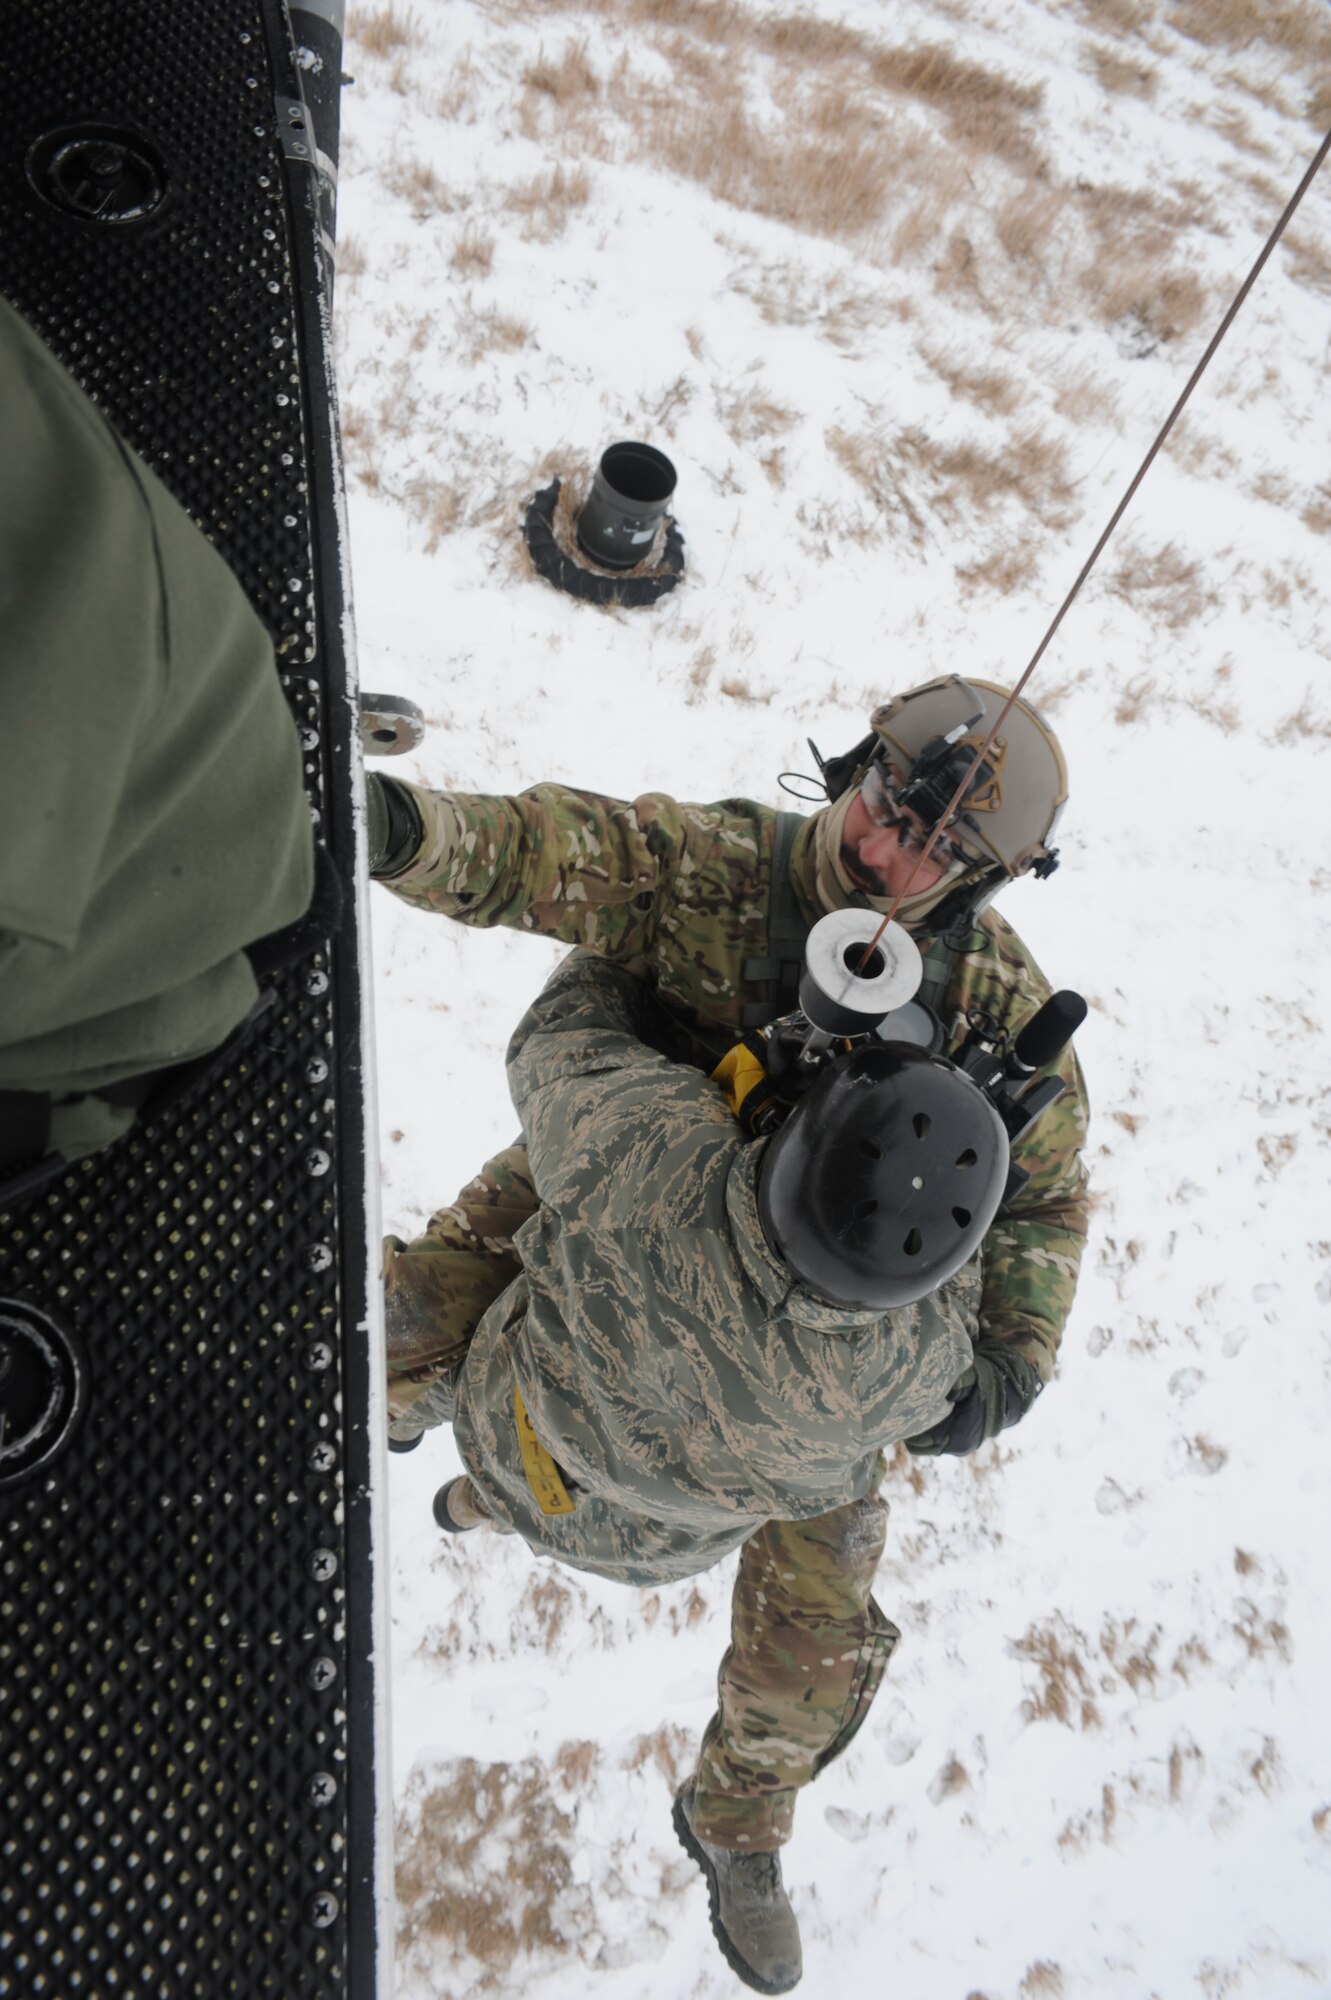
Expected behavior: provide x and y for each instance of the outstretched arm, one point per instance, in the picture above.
(560, 863)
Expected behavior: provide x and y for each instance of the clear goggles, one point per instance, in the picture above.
(880, 802)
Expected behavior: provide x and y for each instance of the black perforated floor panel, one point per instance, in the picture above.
(190, 1800)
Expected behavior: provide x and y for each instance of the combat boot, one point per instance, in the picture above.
(458, 1508)
(752, 1920)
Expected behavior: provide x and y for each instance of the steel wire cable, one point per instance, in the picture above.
(1113, 522)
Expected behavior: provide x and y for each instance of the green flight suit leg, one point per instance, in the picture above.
(809, 1648)
(437, 1287)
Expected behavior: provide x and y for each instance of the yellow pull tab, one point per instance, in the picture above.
(738, 1072)
(548, 1489)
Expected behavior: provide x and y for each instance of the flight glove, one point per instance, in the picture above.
(995, 1392)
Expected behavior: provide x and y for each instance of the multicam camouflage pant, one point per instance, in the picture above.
(809, 1645)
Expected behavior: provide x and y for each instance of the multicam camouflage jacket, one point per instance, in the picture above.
(689, 1387)
(679, 894)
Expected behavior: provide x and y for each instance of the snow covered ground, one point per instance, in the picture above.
(906, 323)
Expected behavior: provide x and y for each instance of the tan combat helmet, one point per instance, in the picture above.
(1010, 815)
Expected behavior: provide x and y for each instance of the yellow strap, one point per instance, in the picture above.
(548, 1489)
(738, 1072)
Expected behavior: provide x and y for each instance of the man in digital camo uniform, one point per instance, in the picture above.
(709, 906)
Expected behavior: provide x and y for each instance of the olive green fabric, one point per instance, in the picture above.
(151, 804)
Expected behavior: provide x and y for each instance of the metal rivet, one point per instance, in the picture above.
(318, 1355)
(321, 1673)
(321, 1789)
(321, 1909)
(321, 1564)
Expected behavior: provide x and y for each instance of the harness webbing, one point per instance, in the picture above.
(780, 970)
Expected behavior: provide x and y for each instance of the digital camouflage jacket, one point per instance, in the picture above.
(679, 895)
(690, 1387)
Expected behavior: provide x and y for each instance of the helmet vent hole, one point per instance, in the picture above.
(962, 1217)
(870, 1151)
(968, 1158)
(863, 1210)
(921, 1123)
(913, 1244)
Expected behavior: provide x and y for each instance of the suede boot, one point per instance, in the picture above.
(752, 1919)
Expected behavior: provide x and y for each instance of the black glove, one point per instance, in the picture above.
(995, 1392)
(393, 828)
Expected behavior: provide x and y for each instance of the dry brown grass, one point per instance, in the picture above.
(1300, 29)
(1083, 395)
(381, 31)
(838, 143)
(546, 202)
(421, 188)
(564, 79)
(1234, 125)
(1124, 17)
(824, 184)
(1132, 703)
(1195, 448)
(1027, 221)
(1004, 570)
(983, 108)
(700, 674)
(352, 261)
(1066, 1693)
(1273, 489)
(736, 688)
(1301, 723)
(1307, 257)
(1165, 585)
(456, 101)
(996, 394)
(1117, 70)
(1165, 303)
(479, 332)
(1052, 695)
(1317, 514)
(838, 310)
(473, 252)
(483, 1869)
(439, 507)
(668, 1750)
(752, 417)
(1042, 1981)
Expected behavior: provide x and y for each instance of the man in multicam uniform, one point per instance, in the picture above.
(683, 897)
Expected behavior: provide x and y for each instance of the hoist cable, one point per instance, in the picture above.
(1113, 522)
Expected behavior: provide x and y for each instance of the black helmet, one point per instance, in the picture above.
(884, 1178)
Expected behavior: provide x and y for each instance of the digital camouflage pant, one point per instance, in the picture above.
(809, 1646)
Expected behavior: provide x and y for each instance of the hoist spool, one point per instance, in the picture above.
(1114, 519)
